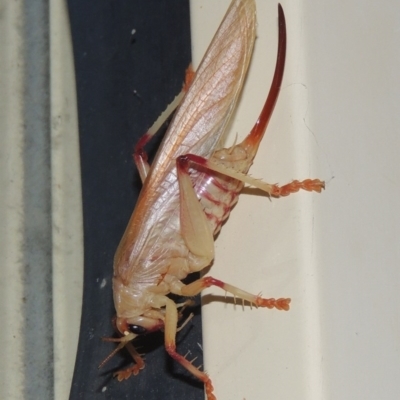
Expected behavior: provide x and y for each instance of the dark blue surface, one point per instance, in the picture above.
(124, 82)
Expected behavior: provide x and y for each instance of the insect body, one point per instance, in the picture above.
(189, 191)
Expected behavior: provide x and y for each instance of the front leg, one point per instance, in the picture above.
(171, 323)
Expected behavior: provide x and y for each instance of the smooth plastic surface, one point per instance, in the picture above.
(335, 254)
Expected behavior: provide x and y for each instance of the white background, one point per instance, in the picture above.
(335, 254)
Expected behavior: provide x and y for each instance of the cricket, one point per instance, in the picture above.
(189, 191)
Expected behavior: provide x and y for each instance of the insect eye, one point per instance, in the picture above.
(139, 330)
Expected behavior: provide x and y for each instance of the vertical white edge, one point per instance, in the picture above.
(67, 225)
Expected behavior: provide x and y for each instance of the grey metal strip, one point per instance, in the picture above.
(37, 250)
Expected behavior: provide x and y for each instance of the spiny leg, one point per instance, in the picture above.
(272, 189)
(171, 321)
(197, 286)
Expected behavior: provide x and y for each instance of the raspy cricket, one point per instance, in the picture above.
(189, 190)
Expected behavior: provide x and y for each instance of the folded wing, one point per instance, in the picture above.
(197, 128)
